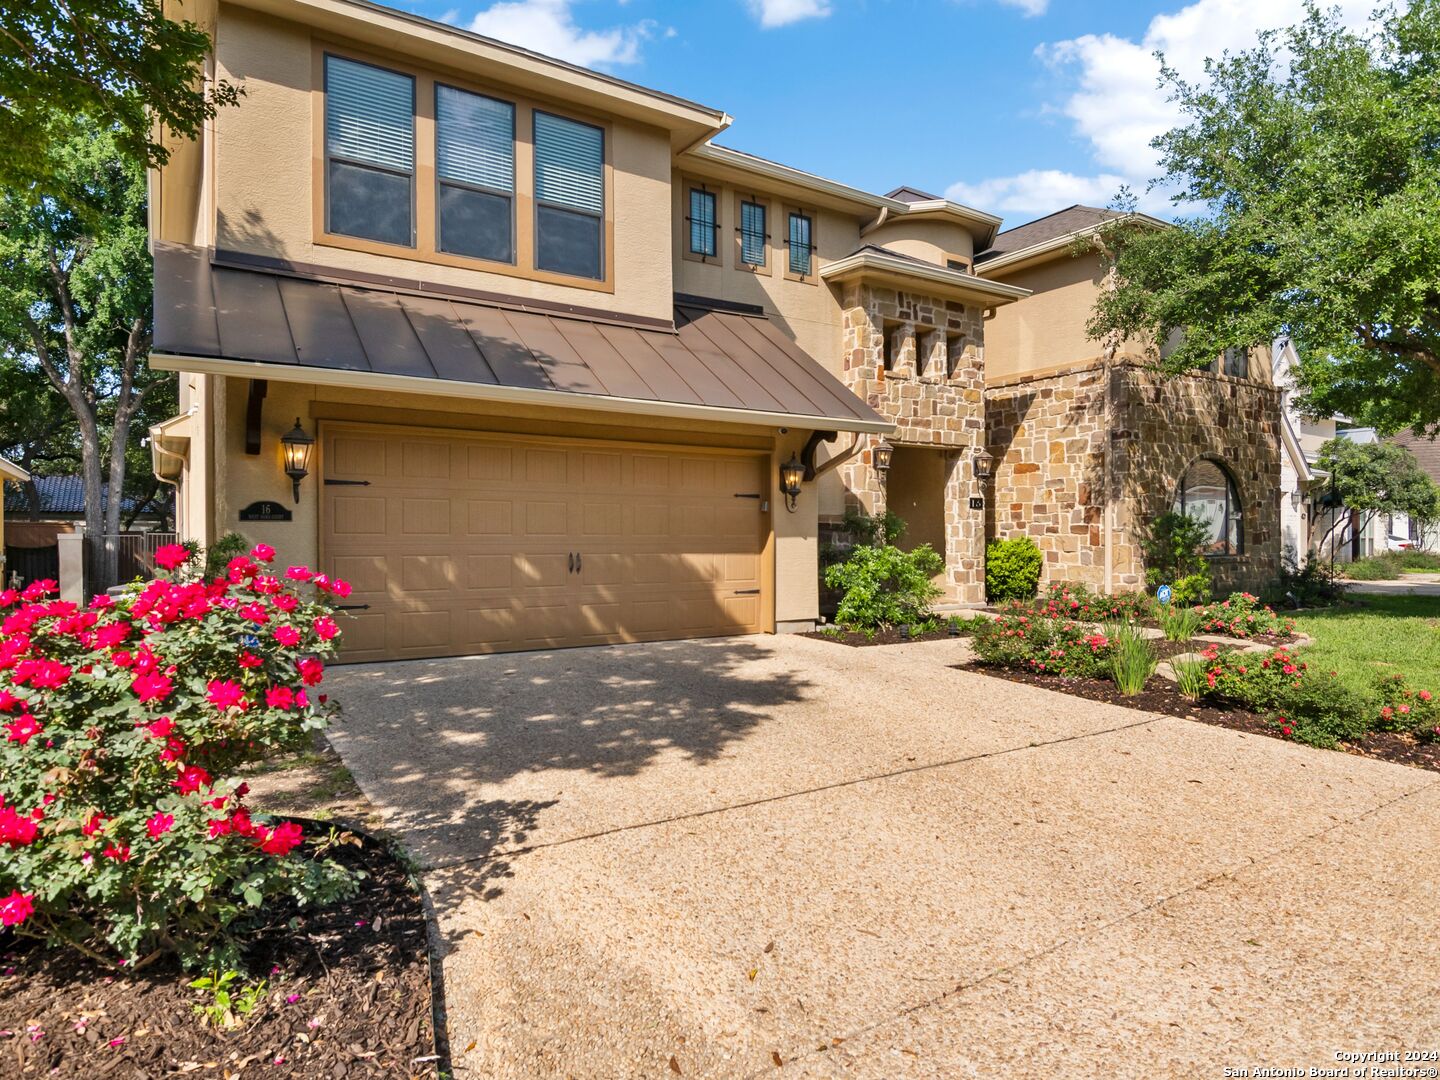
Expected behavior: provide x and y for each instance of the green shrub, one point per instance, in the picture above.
(123, 833)
(1405, 708)
(1190, 674)
(1242, 615)
(1132, 658)
(1179, 623)
(1414, 559)
(1174, 547)
(884, 586)
(1316, 584)
(1012, 569)
(872, 529)
(1322, 711)
(218, 555)
(1374, 568)
(1051, 646)
(1072, 600)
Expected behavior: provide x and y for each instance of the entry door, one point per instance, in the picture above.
(459, 544)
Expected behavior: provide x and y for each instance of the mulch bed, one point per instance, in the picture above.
(880, 637)
(358, 973)
(1161, 696)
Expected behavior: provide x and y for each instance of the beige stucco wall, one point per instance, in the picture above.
(242, 478)
(264, 172)
(1047, 330)
(933, 241)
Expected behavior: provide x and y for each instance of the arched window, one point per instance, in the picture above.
(1206, 492)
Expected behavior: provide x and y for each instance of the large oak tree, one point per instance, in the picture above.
(1316, 158)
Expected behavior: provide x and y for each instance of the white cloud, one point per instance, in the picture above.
(549, 27)
(773, 13)
(1115, 106)
(1029, 8)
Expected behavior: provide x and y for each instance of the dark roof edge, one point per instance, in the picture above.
(711, 303)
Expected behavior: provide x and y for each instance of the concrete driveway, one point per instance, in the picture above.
(783, 857)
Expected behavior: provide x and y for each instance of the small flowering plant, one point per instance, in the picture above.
(1042, 644)
(122, 832)
(1072, 600)
(1242, 615)
(1405, 708)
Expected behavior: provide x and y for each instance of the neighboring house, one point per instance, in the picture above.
(574, 373)
(1091, 444)
(1401, 532)
(11, 475)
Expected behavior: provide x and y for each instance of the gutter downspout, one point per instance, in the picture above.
(1111, 347)
(880, 219)
(725, 121)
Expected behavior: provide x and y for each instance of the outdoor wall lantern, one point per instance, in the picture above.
(984, 464)
(297, 445)
(880, 457)
(791, 473)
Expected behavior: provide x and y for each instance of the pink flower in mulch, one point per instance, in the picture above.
(159, 825)
(287, 636)
(224, 694)
(16, 908)
(35, 1031)
(151, 686)
(171, 555)
(290, 999)
(117, 1042)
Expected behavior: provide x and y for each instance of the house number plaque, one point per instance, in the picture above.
(265, 511)
(977, 502)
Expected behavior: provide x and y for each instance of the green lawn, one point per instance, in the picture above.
(1377, 633)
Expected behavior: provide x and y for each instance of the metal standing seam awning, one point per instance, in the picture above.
(262, 323)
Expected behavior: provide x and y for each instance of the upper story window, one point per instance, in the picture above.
(753, 232)
(1236, 362)
(475, 174)
(704, 224)
(801, 243)
(569, 196)
(369, 152)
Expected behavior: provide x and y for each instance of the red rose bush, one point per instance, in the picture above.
(122, 830)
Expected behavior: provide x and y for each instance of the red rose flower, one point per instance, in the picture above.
(281, 840)
(152, 686)
(16, 908)
(225, 694)
(287, 636)
(312, 671)
(159, 825)
(262, 553)
(192, 778)
(171, 555)
(23, 729)
(325, 628)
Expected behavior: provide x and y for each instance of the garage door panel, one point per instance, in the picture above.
(427, 573)
(489, 517)
(465, 543)
(425, 517)
(357, 515)
(547, 519)
(485, 572)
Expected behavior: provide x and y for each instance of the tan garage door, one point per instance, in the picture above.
(460, 544)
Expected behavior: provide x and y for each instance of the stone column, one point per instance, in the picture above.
(964, 529)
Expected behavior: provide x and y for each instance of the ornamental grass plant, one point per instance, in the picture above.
(1132, 658)
(123, 832)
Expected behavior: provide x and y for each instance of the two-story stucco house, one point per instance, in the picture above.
(553, 345)
(576, 374)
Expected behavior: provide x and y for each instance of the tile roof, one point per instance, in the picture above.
(714, 359)
(58, 495)
(1050, 227)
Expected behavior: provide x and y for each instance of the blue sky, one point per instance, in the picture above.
(1018, 107)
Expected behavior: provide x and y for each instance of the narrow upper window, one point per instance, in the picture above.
(1237, 362)
(475, 170)
(369, 152)
(801, 245)
(703, 226)
(752, 233)
(569, 196)
(1207, 493)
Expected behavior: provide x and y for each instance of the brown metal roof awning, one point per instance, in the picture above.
(268, 323)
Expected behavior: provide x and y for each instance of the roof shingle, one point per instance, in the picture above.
(1050, 227)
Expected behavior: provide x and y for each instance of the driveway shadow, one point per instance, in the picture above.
(464, 756)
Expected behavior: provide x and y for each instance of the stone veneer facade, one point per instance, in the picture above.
(1049, 436)
(933, 391)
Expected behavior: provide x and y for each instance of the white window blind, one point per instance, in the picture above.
(752, 234)
(369, 114)
(569, 163)
(474, 139)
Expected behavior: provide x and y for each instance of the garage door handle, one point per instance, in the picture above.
(578, 563)
(352, 607)
(570, 563)
(747, 592)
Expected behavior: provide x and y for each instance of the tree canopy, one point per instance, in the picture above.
(122, 63)
(1316, 158)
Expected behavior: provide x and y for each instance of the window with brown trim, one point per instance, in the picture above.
(800, 244)
(369, 152)
(702, 222)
